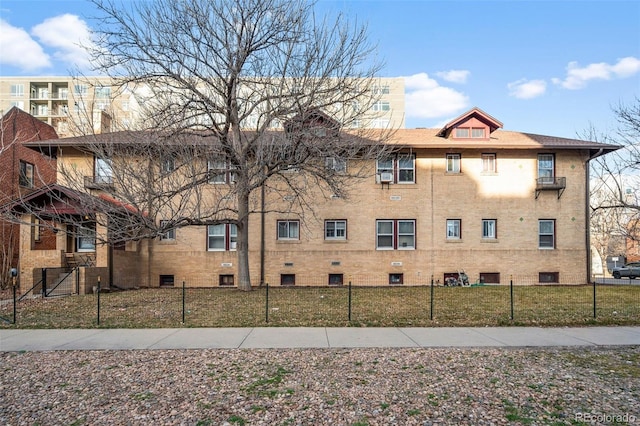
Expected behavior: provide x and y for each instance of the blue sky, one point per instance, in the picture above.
(547, 67)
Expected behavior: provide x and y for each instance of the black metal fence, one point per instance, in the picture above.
(188, 305)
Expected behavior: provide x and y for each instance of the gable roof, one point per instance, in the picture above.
(20, 126)
(474, 112)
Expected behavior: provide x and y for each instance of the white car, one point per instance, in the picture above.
(630, 270)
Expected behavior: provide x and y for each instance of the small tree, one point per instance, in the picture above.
(235, 95)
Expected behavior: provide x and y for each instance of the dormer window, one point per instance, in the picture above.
(469, 133)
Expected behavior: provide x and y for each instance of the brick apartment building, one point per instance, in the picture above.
(22, 170)
(468, 196)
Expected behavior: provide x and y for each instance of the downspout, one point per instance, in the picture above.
(262, 233)
(587, 212)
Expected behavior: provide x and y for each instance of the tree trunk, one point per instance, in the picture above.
(244, 278)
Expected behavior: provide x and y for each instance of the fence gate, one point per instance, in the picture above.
(59, 281)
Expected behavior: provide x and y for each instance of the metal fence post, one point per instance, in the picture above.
(431, 302)
(44, 282)
(98, 289)
(594, 298)
(183, 301)
(349, 310)
(511, 294)
(266, 308)
(14, 300)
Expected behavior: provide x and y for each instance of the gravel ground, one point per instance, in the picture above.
(322, 387)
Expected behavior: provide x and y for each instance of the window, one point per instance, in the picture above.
(477, 133)
(454, 230)
(18, 104)
(222, 237)
(395, 234)
(17, 90)
(86, 238)
(220, 172)
(381, 90)
(336, 279)
(381, 106)
(170, 233)
(335, 229)
(26, 174)
(488, 163)
(80, 89)
(549, 277)
(490, 277)
(288, 230)
(37, 229)
(338, 165)
(167, 280)
(396, 169)
(406, 167)
(226, 281)
(546, 233)
(287, 279)
(546, 167)
(104, 171)
(103, 92)
(168, 165)
(396, 278)
(461, 132)
(453, 163)
(489, 228)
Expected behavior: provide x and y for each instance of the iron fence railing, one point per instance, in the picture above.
(200, 304)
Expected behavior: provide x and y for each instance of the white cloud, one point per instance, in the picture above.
(20, 50)
(425, 98)
(527, 89)
(67, 34)
(577, 77)
(454, 76)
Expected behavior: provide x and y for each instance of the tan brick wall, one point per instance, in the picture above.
(507, 196)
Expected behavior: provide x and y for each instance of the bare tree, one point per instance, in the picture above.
(615, 184)
(249, 106)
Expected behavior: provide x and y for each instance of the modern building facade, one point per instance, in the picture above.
(467, 197)
(81, 106)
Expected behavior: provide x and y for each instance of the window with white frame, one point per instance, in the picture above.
(454, 229)
(169, 234)
(222, 237)
(395, 234)
(546, 169)
(219, 172)
(103, 171)
(338, 165)
(86, 237)
(381, 106)
(453, 163)
(17, 90)
(399, 168)
(489, 229)
(488, 163)
(546, 233)
(26, 174)
(288, 229)
(461, 133)
(80, 89)
(335, 229)
(477, 133)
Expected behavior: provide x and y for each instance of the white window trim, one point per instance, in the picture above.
(230, 238)
(288, 237)
(458, 228)
(457, 159)
(335, 222)
(494, 229)
(553, 234)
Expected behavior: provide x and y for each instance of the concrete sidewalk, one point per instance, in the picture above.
(306, 337)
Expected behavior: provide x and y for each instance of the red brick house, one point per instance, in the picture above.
(22, 170)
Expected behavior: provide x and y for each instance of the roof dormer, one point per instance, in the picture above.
(475, 124)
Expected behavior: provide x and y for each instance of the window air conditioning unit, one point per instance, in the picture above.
(386, 177)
